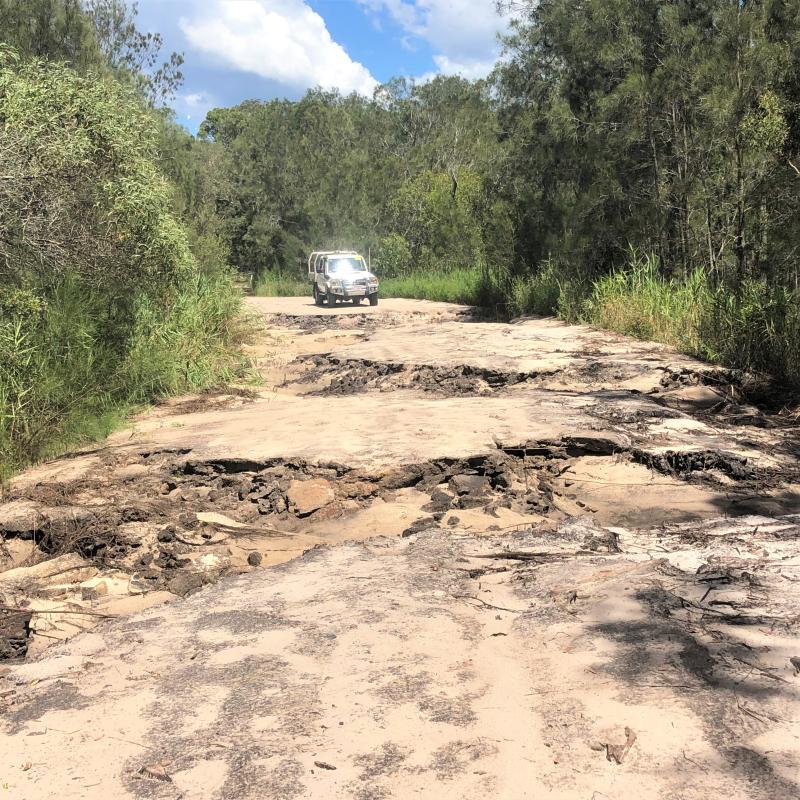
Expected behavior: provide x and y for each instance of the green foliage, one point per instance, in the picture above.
(132, 54)
(667, 126)
(394, 255)
(65, 380)
(59, 30)
(756, 328)
(536, 294)
(439, 216)
(408, 170)
(96, 35)
(453, 286)
(102, 303)
(639, 302)
(194, 169)
(278, 284)
(81, 192)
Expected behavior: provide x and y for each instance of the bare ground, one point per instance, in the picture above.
(430, 557)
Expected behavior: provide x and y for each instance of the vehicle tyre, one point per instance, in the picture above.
(331, 297)
(357, 301)
(373, 299)
(318, 299)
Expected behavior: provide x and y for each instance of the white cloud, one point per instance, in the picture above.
(472, 69)
(282, 40)
(463, 33)
(193, 106)
(195, 99)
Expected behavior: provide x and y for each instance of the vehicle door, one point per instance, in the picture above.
(319, 268)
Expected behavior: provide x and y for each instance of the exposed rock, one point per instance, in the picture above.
(440, 501)
(330, 511)
(131, 472)
(185, 582)
(603, 541)
(401, 477)
(305, 497)
(134, 514)
(468, 484)
(14, 631)
(358, 489)
(167, 535)
(254, 559)
(20, 518)
(421, 524)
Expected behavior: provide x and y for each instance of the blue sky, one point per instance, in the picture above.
(243, 49)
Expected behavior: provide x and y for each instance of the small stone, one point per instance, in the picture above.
(133, 514)
(440, 500)
(89, 593)
(331, 511)
(14, 632)
(503, 480)
(265, 507)
(418, 525)
(185, 582)
(279, 505)
(131, 472)
(358, 489)
(254, 559)
(19, 517)
(305, 497)
(468, 484)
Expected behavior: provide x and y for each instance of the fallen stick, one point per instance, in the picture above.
(489, 605)
(56, 611)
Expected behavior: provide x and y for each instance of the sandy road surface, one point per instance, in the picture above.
(430, 557)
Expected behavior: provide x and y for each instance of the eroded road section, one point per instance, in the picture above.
(430, 557)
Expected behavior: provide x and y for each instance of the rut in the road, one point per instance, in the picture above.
(152, 525)
(333, 375)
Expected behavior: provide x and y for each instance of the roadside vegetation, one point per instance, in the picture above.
(108, 299)
(631, 164)
(457, 286)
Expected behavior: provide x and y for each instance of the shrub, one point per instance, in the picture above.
(103, 304)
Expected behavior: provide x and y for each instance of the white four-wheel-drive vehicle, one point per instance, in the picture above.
(339, 275)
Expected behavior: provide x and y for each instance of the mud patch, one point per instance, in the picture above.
(171, 523)
(211, 400)
(346, 376)
(366, 321)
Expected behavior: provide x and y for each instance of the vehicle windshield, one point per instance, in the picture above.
(339, 266)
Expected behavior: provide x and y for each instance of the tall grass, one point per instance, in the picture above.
(639, 302)
(76, 361)
(278, 284)
(456, 286)
(756, 327)
(753, 326)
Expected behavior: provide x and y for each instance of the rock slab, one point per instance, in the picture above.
(306, 497)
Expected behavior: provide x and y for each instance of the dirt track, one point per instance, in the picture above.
(430, 557)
